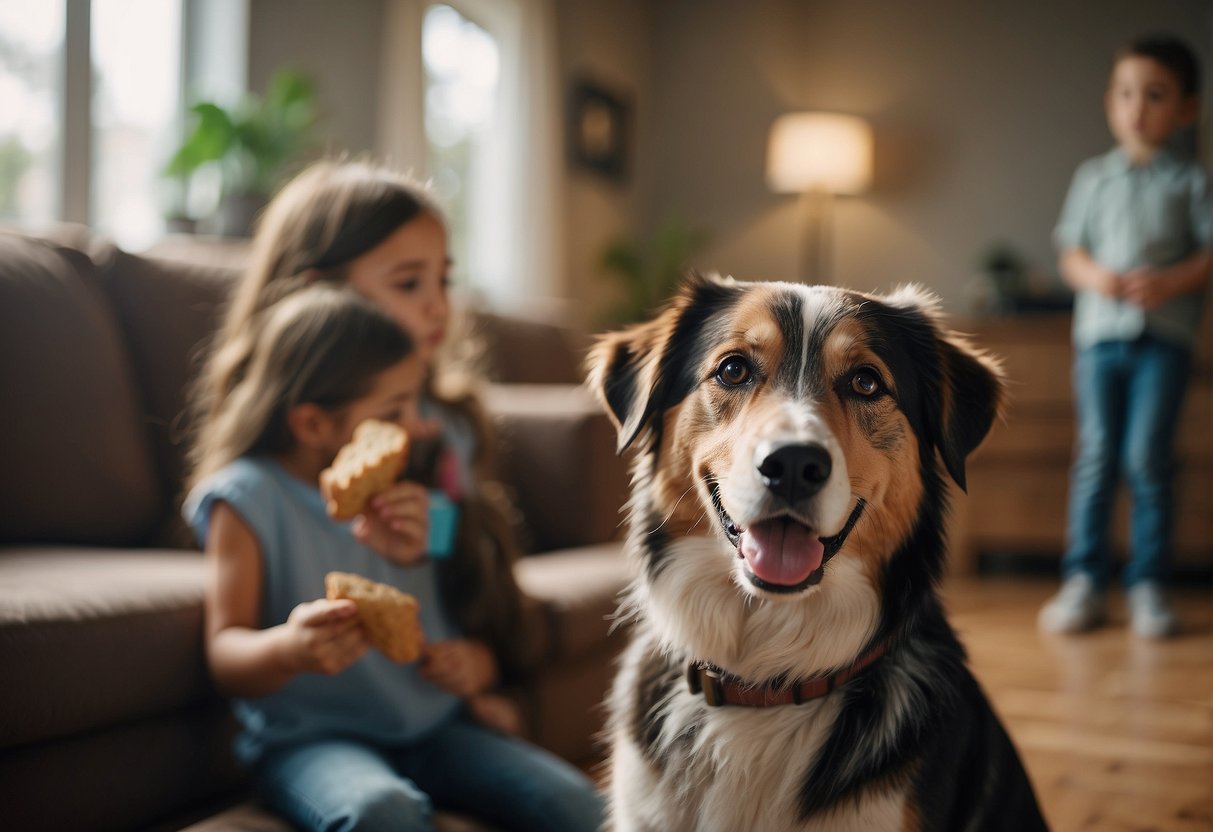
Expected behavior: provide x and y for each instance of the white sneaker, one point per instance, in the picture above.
(1077, 607)
(1150, 613)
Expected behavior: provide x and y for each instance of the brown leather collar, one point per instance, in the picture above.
(721, 688)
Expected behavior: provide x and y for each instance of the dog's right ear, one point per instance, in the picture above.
(622, 374)
(639, 372)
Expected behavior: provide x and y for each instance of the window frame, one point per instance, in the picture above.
(524, 236)
(213, 43)
(76, 137)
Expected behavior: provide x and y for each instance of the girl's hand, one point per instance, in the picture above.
(396, 523)
(496, 712)
(323, 637)
(460, 666)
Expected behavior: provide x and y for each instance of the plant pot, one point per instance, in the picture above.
(180, 225)
(236, 214)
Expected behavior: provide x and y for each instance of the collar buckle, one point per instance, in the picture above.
(706, 679)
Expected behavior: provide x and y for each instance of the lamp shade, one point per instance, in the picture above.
(819, 151)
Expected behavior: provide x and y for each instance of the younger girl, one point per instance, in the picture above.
(338, 736)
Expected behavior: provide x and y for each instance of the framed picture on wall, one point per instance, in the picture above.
(598, 130)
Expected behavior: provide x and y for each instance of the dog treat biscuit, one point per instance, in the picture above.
(389, 615)
(369, 464)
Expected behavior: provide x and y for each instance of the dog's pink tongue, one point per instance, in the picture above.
(781, 551)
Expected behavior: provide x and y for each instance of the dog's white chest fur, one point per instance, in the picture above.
(734, 768)
(728, 769)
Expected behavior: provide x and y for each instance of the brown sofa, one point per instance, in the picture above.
(108, 719)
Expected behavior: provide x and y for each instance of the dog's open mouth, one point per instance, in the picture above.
(781, 553)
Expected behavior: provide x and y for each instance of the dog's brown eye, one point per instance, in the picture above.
(865, 383)
(734, 371)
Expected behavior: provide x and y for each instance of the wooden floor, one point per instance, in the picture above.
(1116, 731)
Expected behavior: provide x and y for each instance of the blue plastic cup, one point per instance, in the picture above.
(444, 518)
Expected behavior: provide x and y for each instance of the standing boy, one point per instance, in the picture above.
(1134, 241)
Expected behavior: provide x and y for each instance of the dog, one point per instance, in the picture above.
(790, 666)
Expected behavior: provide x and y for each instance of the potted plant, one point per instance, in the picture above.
(649, 270)
(251, 144)
(1007, 272)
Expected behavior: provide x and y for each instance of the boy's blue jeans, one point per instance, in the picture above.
(346, 785)
(1128, 396)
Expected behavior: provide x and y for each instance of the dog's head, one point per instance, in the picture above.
(794, 422)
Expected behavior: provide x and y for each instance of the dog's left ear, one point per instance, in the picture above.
(971, 395)
(961, 387)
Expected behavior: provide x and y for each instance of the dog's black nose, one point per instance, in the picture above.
(795, 472)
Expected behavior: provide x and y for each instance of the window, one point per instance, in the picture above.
(31, 56)
(136, 52)
(461, 73)
(470, 100)
(130, 54)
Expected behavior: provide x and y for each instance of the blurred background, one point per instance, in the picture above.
(583, 148)
(586, 153)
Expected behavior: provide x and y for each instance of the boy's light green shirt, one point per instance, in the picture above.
(1127, 216)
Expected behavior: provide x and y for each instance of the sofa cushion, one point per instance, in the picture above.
(521, 350)
(579, 589)
(90, 638)
(167, 310)
(138, 775)
(547, 431)
(77, 463)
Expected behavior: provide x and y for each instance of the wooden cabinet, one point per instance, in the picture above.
(1019, 478)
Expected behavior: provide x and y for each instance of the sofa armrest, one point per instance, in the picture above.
(557, 454)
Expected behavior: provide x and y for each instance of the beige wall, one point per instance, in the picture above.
(337, 43)
(982, 110)
(612, 44)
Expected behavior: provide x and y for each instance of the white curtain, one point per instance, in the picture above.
(516, 213)
(400, 131)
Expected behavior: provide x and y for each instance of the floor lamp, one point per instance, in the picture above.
(819, 156)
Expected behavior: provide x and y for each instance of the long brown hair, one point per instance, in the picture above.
(322, 345)
(324, 218)
(314, 227)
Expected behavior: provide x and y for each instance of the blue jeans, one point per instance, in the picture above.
(1128, 396)
(348, 785)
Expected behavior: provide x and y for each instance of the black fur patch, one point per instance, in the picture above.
(653, 544)
(795, 373)
(676, 376)
(658, 677)
(947, 396)
(788, 311)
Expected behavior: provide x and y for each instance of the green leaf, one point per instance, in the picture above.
(623, 259)
(649, 270)
(255, 141)
(210, 140)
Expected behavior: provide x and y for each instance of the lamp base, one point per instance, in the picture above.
(817, 214)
